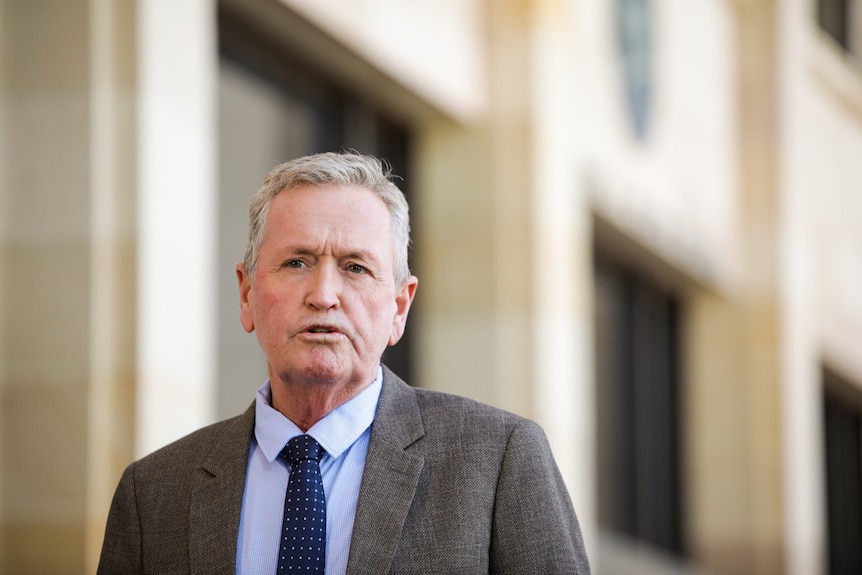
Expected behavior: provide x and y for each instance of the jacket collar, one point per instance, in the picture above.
(389, 480)
(216, 499)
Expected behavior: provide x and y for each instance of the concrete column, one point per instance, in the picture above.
(113, 294)
(506, 264)
(474, 227)
(66, 256)
(734, 410)
(561, 256)
(44, 346)
(177, 219)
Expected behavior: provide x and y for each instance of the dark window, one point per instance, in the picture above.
(833, 18)
(638, 389)
(843, 450)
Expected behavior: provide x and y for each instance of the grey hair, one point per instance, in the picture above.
(327, 169)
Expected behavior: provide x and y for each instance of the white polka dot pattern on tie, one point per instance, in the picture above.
(303, 538)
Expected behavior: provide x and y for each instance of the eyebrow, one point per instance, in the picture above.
(364, 255)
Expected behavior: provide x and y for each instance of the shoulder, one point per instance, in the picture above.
(448, 414)
(455, 407)
(226, 438)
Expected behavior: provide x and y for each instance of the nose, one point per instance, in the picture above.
(324, 288)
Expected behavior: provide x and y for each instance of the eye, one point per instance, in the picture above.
(294, 264)
(356, 269)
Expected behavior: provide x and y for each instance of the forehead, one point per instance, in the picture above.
(330, 213)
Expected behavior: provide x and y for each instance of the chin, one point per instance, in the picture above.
(322, 371)
(322, 375)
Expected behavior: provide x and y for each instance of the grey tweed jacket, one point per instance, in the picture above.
(450, 486)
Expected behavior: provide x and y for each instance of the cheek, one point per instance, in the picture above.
(379, 316)
(270, 307)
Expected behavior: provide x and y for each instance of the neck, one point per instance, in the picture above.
(306, 403)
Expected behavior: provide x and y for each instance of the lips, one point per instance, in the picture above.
(322, 329)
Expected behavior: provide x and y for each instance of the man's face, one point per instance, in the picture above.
(323, 299)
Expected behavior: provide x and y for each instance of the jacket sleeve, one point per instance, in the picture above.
(535, 529)
(121, 549)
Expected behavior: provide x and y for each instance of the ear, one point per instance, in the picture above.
(403, 298)
(245, 304)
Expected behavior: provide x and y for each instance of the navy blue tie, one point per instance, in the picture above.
(303, 533)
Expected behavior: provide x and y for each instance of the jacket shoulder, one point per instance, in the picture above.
(445, 416)
(227, 437)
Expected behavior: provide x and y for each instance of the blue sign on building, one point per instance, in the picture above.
(635, 38)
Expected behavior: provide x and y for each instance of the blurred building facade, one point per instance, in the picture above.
(635, 221)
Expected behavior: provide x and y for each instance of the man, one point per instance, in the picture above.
(414, 481)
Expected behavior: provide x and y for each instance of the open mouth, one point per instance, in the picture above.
(321, 329)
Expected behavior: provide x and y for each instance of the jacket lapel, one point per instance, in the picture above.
(389, 480)
(216, 500)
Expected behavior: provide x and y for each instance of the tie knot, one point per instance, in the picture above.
(302, 447)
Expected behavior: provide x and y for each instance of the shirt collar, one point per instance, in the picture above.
(337, 431)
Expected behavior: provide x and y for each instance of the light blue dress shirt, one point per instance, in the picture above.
(344, 434)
